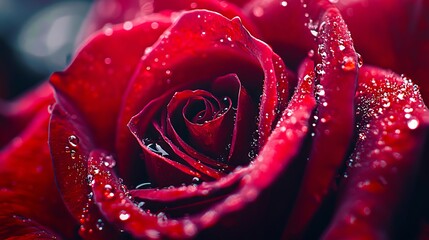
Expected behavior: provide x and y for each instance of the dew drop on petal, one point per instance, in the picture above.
(73, 140)
(109, 161)
(50, 108)
(108, 31)
(154, 25)
(195, 180)
(360, 60)
(413, 123)
(123, 215)
(348, 64)
(319, 90)
(319, 69)
(128, 25)
(108, 191)
(258, 11)
(99, 224)
(283, 3)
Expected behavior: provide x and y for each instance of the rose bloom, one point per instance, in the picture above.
(226, 120)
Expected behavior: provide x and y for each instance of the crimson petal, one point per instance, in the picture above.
(186, 55)
(294, 40)
(27, 188)
(337, 77)
(70, 144)
(14, 116)
(275, 156)
(18, 227)
(98, 76)
(393, 123)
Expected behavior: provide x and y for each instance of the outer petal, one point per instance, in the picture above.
(336, 72)
(15, 116)
(89, 95)
(98, 76)
(283, 25)
(28, 194)
(393, 123)
(392, 34)
(106, 12)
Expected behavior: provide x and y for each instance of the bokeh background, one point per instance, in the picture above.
(37, 37)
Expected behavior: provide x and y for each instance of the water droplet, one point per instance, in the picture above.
(413, 123)
(333, 1)
(258, 11)
(360, 60)
(319, 69)
(319, 90)
(283, 3)
(50, 108)
(73, 140)
(195, 180)
(107, 61)
(408, 110)
(313, 26)
(190, 228)
(314, 32)
(162, 218)
(108, 31)
(341, 47)
(109, 161)
(154, 25)
(73, 154)
(147, 51)
(128, 25)
(108, 191)
(348, 64)
(123, 215)
(90, 179)
(386, 102)
(99, 224)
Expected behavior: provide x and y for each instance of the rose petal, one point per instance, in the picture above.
(393, 122)
(205, 136)
(70, 143)
(105, 12)
(276, 155)
(27, 187)
(184, 54)
(223, 7)
(17, 227)
(294, 40)
(244, 127)
(156, 164)
(97, 78)
(392, 35)
(337, 76)
(15, 116)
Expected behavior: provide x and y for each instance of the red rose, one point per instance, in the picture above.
(181, 123)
